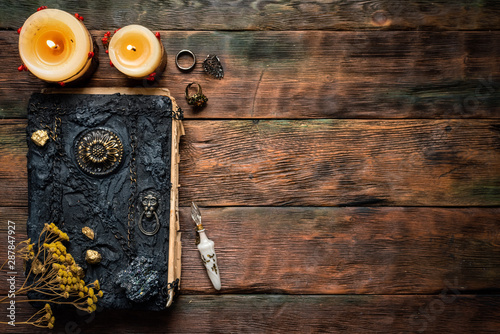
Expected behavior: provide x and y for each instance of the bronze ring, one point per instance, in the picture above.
(189, 52)
(198, 99)
(157, 227)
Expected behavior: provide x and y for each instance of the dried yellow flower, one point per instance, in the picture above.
(61, 246)
(100, 293)
(90, 301)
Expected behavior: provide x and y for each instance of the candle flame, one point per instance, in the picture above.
(131, 47)
(51, 44)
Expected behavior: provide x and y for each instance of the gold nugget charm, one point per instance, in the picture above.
(93, 257)
(88, 232)
(40, 137)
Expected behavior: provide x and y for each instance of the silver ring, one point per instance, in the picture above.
(157, 227)
(189, 52)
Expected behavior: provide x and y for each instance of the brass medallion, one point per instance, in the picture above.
(98, 151)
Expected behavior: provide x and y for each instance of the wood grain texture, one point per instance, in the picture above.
(387, 225)
(341, 162)
(316, 163)
(13, 163)
(303, 250)
(311, 74)
(447, 313)
(346, 250)
(270, 15)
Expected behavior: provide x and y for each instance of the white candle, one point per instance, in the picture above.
(55, 46)
(135, 51)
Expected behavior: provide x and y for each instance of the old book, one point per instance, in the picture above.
(103, 167)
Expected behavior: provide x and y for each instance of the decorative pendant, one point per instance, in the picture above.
(206, 249)
(213, 67)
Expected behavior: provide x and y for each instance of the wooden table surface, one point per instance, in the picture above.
(347, 166)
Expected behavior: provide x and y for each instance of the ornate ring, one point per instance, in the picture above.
(157, 227)
(198, 99)
(189, 52)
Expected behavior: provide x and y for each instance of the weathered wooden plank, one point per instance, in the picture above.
(317, 163)
(341, 162)
(446, 313)
(346, 250)
(13, 164)
(312, 74)
(304, 250)
(270, 15)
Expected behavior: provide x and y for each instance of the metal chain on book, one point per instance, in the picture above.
(170, 286)
(55, 212)
(133, 181)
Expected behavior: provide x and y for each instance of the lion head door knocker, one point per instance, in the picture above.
(150, 200)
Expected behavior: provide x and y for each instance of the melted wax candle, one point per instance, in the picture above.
(55, 46)
(135, 51)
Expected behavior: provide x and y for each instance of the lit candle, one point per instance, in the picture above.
(55, 46)
(136, 52)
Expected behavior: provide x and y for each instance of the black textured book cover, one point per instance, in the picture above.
(102, 162)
